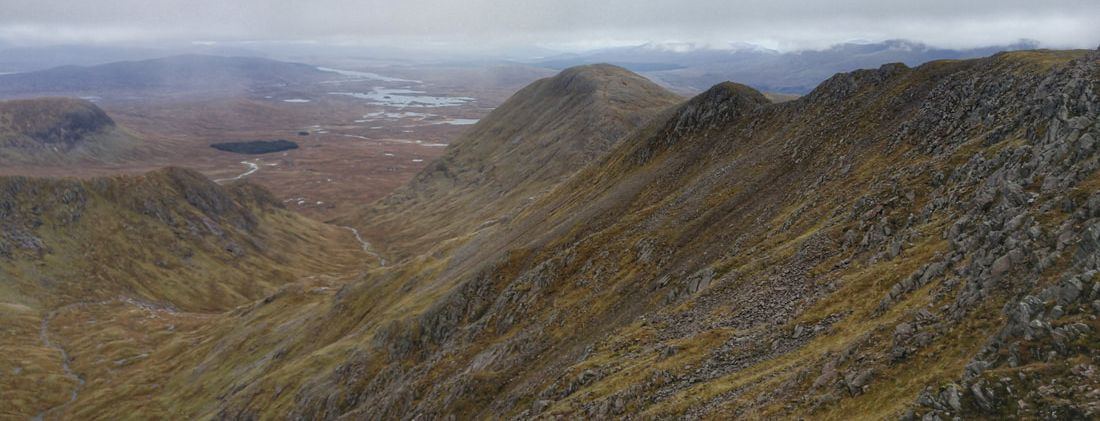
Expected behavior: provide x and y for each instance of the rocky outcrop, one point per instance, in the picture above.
(706, 111)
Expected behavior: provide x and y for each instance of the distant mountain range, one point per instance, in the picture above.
(685, 68)
(190, 74)
(691, 69)
(32, 58)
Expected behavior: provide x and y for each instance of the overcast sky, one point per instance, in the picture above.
(562, 24)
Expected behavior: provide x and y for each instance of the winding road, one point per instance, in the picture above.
(66, 361)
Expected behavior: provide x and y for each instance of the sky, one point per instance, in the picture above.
(561, 24)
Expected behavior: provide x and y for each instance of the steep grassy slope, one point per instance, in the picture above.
(59, 130)
(533, 141)
(899, 243)
(81, 255)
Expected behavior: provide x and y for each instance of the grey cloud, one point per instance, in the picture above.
(779, 23)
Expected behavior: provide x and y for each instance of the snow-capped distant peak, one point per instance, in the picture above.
(673, 46)
(741, 46)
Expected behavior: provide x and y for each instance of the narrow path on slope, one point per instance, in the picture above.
(252, 168)
(366, 245)
(44, 334)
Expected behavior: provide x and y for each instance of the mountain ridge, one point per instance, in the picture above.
(190, 74)
(555, 273)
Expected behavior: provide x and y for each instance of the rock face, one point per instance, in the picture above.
(913, 243)
(49, 129)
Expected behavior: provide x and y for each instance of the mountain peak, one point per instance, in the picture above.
(540, 136)
(842, 85)
(731, 91)
(594, 77)
(720, 103)
(595, 70)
